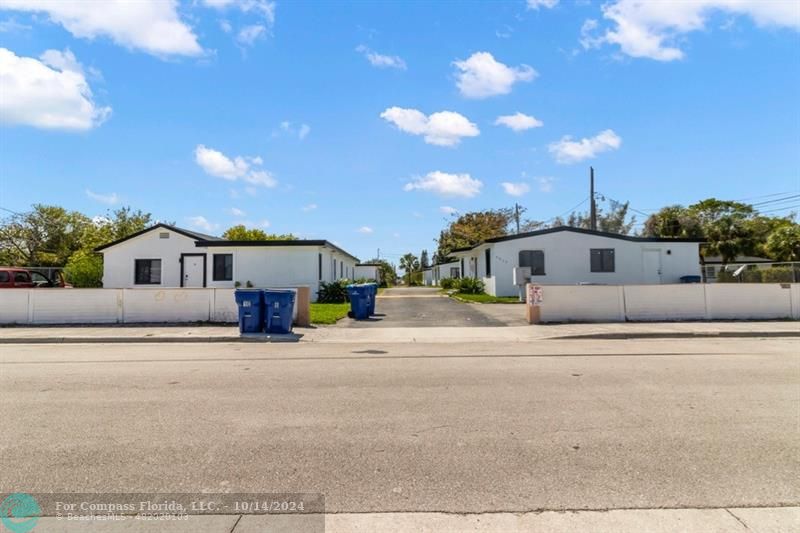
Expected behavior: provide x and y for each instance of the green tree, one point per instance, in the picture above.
(783, 244)
(410, 264)
(85, 269)
(243, 233)
(471, 228)
(45, 236)
(673, 221)
(423, 259)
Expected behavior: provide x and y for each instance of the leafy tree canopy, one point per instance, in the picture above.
(471, 228)
(243, 233)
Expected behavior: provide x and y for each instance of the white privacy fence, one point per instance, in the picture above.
(618, 303)
(117, 306)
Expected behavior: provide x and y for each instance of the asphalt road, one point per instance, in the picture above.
(421, 307)
(411, 427)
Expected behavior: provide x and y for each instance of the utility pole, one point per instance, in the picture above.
(592, 205)
(516, 215)
(379, 254)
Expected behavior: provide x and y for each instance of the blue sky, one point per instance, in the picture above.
(363, 123)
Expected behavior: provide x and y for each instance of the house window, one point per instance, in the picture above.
(148, 271)
(462, 264)
(601, 259)
(454, 272)
(711, 272)
(488, 256)
(533, 259)
(341, 269)
(223, 267)
(319, 266)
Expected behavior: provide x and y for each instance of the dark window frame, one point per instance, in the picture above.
(488, 258)
(319, 264)
(136, 263)
(602, 260)
(534, 254)
(214, 266)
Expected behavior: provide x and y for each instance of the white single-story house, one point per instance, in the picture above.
(567, 256)
(427, 276)
(167, 256)
(446, 270)
(368, 271)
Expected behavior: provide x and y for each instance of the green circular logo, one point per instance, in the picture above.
(19, 512)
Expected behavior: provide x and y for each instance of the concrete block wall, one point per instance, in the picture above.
(118, 306)
(720, 301)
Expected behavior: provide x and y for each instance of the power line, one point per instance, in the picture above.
(765, 196)
(777, 200)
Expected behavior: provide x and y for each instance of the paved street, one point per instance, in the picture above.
(470, 427)
(421, 307)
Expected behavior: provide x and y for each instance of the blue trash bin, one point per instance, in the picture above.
(250, 303)
(691, 279)
(359, 301)
(278, 310)
(373, 293)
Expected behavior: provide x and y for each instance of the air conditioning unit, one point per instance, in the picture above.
(521, 275)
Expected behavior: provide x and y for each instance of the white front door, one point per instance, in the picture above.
(193, 270)
(651, 266)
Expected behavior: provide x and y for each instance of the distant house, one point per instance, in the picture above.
(566, 255)
(713, 265)
(167, 256)
(368, 271)
(446, 270)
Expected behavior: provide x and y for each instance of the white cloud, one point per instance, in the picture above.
(248, 35)
(225, 26)
(654, 29)
(445, 128)
(235, 211)
(202, 223)
(217, 164)
(264, 8)
(149, 25)
(482, 76)
(515, 189)
(536, 4)
(545, 183)
(110, 198)
(381, 60)
(518, 122)
(364, 229)
(568, 151)
(447, 210)
(309, 207)
(50, 94)
(287, 128)
(445, 184)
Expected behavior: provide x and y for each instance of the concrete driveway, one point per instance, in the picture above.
(426, 307)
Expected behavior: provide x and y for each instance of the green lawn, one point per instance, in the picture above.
(486, 299)
(328, 313)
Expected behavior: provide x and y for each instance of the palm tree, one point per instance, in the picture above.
(410, 264)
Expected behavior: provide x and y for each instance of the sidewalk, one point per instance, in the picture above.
(752, 520)
(206, 334)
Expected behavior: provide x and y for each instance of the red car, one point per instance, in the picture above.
(23, 278)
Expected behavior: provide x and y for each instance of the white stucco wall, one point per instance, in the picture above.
(567, 261)
(118, 261)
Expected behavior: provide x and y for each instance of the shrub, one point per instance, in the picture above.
(448, 283)
(84, 269)
(332, 293)
(723, 276)
(470, 286)
(779, 275)
(751, 276)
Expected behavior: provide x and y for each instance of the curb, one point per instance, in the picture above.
(149, 340)
(680, 335)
